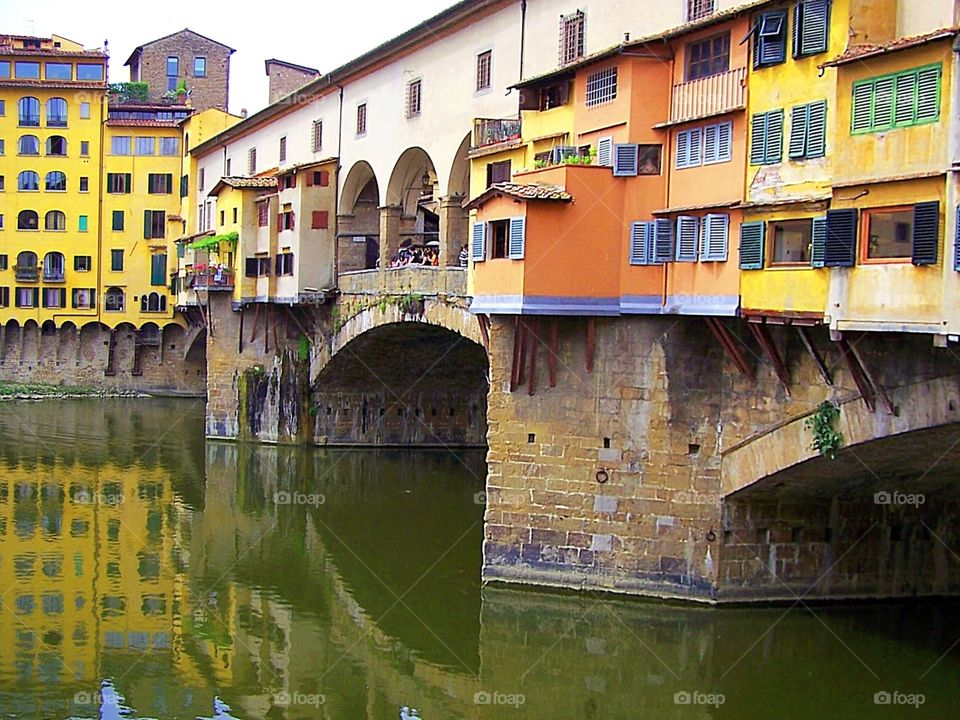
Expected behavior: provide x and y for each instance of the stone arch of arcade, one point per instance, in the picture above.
(401, 372)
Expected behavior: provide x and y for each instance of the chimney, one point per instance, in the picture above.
(243, 112)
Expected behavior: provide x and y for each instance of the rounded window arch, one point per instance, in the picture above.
(53, 264)
(56, 145)
(29, 112)
(154, 302)
(29, 145)
(113, 300)
(26, 259)
(28, 180)
(55, 220)
(56, 181)
(56, 112)
(28, 220)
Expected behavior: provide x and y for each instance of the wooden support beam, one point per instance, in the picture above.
(552, 358)
(856, 371)
(591, 341)
(874, 382)
(514, 368)
(484, 322)
(296, 321)
(524, 349)
(276, 341)
(729, 343)
(256, 321)
(266, 329)
(534, 344)
(811, 348)
(762, 334)
(240, 334)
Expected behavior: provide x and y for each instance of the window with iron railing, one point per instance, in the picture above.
(697, 9)
(601, 87)
(414, 98)
(571, 37)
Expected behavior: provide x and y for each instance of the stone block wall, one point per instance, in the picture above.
(205, 92)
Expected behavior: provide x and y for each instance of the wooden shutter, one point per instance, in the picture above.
(640, 242)
(478, 242)
(714, 238)
(819, 245)
(321, 219)
(310, 177)
(278, 265)
(799, 119)
(250, 267)
(663, 240)
(817, 129)
(605, 152)
(758, 136)
(752, 236)
(687, 227)
(883, 92)
(928, 94)
(158, 269)
(814, 26)
(517, 238)
(724, 142)
(841, 243)
(127, 182)
(905, 107)
(696, 146)
(325, 178)
(774, 139)
(683, 149)
(625, 159)
(147, 222)
(926, 233)
(860, 113)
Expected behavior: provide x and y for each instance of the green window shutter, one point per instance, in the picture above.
(147, 216)
(882, 103)
(817, 129)
(663, 240)
(158, 269)
(168, 185)
(478, 242)
(714, 238)
(928, 94)
(687, 228)
(862, 108)
(517, 238)
(640, 242)
(841, 242)
(926, 233)
(758, 135)
(36, 297)
(752, 237)
(127, 183)
(906, 99)
(82, 225)
(799, 129)
(819, 249)
(774, 150)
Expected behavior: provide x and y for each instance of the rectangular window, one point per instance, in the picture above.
(484, 70)
(84, 184)
(160, 183)
(4, 68)
(499, 237)
(58, 71)
(82, 263)
(770, 38)
(27, 297)
(118, 220)
(223, 215)
(145, 146)
(169, 146)
(808, 131)
(116, 260)
(414, 98)
(229, 165)
(4, 297)
(498, 172)
(86, 71)
(85, 148)
(697, 9)
(811, 27)
(708, 57)
(252, 161)
(284, 263)
(283, 149)
(84, 298)
(154, 224)
(235, 215)
(4, 262)
(317, 135)
(766, 138)
(82, 223)
(120, 145)
(571, 37)
(84, 111)
(201, 173)
(54, 297)
(601, 86)
(173, 66)
(706, 145)
(119, 183)
(184, 185)
(3, 108)
(792, 242)
(199, 67)
(362, 119)
(321, 219)
(263, 214)
(888, 234)
(903, 99)
(27, 70)
(158, 269)
(286, 220)
(648, 159)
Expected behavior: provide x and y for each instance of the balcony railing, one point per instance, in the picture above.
(53, 276)
(708, 96)
(490, 131)
(210, 279)
(30, 273)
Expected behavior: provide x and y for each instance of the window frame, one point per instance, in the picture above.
(771, 241)
(201, 59)
(604, 84)
(361, 119)
(864, 236)
(688, 56)
(483, 70)
(893, 78)
(414, 98)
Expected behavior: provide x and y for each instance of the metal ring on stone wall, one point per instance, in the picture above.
(602, 476)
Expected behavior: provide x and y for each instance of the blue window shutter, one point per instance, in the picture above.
(774, 149)
(683, 149)
(926, 233)
(752, 237)
(605, 152)
(640, 243)
(696, 146)
(841, 243)
(725, 142)
(771, 47)
(710, 144)
(799, 128)
(715, 238)
(625, 159)
(814, 31)
(663, 240)
(758, 136)
(819, 244)
(817, 129)
(517, 239)
(687, 227)
(478, 242)
(956, 242)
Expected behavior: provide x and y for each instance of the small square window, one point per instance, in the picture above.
(888, 234)
(116, 260)
(84, 184)
(200, 67)
(792, 242)
(84, 111)
(84, 148)
(82, 224)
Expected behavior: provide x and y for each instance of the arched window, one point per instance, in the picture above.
(154, 302)
(113, 300)
(56, 112)
(55, 220)
(27, 259)
(28, 220)
(28, 180)
(53, 266)
(56, 145)
(29, 145)
(56, 180)
(29, 112)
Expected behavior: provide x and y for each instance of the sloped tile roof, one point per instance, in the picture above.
(861, 52)
(252, 182)
(521, 192)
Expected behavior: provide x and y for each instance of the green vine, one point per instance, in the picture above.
(303, 348)
(826, 440)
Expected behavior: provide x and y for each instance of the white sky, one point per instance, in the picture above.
(320, 34)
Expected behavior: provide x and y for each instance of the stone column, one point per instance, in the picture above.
(390, 218)
(453, 229)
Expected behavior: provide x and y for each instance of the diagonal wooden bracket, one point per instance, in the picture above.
(762, 334)
(866, 382)
(729, 343)
(812, 349)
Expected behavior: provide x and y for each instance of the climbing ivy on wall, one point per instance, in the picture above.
(826, 439)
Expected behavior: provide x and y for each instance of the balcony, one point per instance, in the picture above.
(211, 279)
(53, 276)
(28, 273)
(492, 131)
(708, 96)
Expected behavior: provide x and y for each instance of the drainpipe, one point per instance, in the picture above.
(104, 112)
(523, 33)
(336, 196)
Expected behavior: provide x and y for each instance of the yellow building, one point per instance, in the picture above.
(52, 102)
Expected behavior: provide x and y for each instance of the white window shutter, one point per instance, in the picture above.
(687, 227)
(696, 146)
(640, 243)
(605, 152)
(716, 234)
(625, 159)
(663, 240)
(479, 240)
(683, 149)
(928, 92)
(517, 239)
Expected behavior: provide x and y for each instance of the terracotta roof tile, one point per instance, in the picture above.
(143, 123)
(60, 84)
(860, 52)
(252, 182)
(521, 192)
